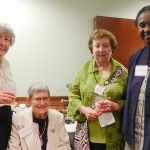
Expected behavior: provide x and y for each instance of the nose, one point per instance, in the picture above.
(42, 102)
(147, 28)
(101, 48)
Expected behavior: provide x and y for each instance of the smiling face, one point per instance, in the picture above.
(143, 24)
(102, 50)
(40, 104)
(5, 42)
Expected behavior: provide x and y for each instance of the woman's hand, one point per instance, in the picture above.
(107, 106)
(89, 112)
(6, 97)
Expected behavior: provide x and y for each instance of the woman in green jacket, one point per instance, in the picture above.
(97, 93)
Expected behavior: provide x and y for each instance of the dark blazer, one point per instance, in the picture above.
(134, 83)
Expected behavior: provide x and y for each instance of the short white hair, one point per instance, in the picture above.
(7, 29)
(37, 87)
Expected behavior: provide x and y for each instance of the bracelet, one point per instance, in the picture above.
(81, 109)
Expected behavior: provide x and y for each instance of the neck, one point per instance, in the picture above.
(104, 69)
(40, 116)
(104, 66)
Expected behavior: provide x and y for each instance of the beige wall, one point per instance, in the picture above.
(52, 35)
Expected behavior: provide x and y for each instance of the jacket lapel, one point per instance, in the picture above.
(51, 129)
(28, 123)
(141, 59)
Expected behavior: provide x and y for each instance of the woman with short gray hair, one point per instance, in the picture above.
(38, 128)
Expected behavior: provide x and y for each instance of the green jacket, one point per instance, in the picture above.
(81, 92)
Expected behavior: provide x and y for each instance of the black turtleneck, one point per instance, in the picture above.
(41, 123)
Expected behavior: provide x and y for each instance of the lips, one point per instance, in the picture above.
(147, 36)
(41, 107)
(101, 55)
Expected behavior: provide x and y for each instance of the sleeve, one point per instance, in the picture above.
(14, 140)
(64, 143)
(121, 102)
(74, 96)
(129, 69)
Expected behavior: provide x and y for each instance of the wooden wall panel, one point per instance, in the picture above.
(126, 34)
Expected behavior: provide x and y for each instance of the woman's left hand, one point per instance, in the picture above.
(107, 106)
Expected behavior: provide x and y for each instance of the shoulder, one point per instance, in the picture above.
(87, 63)
(55, 117)
(137, 53)
(118, 65)
(22, 115)
(86, 66)
(135, 56)
(84, 69)
(54, 114)
(5, 62)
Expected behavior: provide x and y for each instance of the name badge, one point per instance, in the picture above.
(106, 119)
(99, 90)
(141, 70)
(24, 132)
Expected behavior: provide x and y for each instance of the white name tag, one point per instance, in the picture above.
(24, 132)
(106, 119)
(141, 70)
(99, 90)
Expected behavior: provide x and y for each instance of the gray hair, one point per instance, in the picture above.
(6, 29)
(37, 87)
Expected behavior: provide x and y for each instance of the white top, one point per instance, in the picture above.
(6, 79)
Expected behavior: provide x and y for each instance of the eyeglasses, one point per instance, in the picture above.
(39, 99)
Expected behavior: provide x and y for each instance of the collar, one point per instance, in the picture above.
(115, 65)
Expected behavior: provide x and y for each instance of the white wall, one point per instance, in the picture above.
(52, 35)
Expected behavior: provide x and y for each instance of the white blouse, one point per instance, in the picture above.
(6, 78)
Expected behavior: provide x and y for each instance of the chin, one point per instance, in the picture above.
(147, 42)
(41, 115)
(42, 111)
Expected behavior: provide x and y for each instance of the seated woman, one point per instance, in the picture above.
(38, 128)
